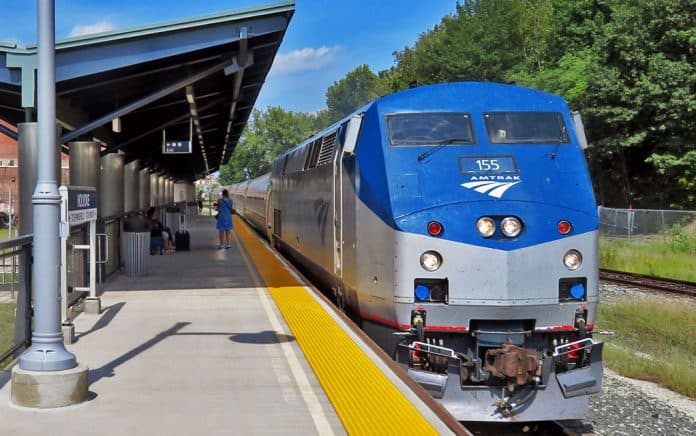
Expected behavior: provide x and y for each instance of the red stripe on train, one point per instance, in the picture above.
(560, 328)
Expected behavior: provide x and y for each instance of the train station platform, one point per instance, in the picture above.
(221, 342)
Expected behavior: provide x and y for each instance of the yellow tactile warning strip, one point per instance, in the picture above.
(364, 398)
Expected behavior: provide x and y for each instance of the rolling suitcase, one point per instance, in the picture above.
(182, 238)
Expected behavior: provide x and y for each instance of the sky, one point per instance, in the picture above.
(325, 39)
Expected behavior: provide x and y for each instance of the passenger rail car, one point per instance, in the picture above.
(458, 222)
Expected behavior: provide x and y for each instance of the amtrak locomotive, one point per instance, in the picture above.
(457, 222)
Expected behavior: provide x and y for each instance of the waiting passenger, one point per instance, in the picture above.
(224, 220)
(160, 236)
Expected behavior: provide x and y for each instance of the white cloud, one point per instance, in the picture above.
(86, 29)
(305, 59)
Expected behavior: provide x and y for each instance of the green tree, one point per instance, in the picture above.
(268, 134)
(640, 102)
(357, 88)
(627, 65)
(682, 170)
(403, 74)
(482, 40)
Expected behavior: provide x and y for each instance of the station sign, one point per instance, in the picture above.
(82, 205)
(176, 147)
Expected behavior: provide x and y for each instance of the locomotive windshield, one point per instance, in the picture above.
(526, 128)
(429, 129)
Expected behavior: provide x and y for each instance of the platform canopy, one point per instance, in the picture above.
(199, 75)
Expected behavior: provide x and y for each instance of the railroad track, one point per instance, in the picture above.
(649, 283)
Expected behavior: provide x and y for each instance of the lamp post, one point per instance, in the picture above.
(48, 375)
(47, 352)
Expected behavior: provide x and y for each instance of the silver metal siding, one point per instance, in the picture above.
(496, 284)
(255, 201)
(306, 202)
(375, 264)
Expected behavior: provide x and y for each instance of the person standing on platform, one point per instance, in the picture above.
(224, 220)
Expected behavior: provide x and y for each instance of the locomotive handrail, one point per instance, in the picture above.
(557, 353)
(433, 349)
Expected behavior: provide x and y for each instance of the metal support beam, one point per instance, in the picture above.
(125, 77)
(237, 65)
(173, 103)
(243, 54)
(159, 128)
(47, 352)
(69, 116)
(8, 132)
(144, 101)
(26, 62)
(243, 45)
(191, 97)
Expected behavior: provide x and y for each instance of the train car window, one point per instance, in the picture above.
(429, 128)
(526, 128)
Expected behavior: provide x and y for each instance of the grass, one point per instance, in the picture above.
(653, 340)
(669, 257)
(7, 328)
(5, 233)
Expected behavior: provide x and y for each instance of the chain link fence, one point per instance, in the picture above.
(660, 243)
(640, 224)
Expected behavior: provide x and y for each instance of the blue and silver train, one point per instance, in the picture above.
(457, 223)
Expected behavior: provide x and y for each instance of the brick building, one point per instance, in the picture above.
(9, 180)
(8, 171)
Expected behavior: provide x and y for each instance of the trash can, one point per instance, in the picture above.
(136, 248)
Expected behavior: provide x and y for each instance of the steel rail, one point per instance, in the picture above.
(649, 282)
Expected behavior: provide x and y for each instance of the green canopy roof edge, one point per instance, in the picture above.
(168, 26)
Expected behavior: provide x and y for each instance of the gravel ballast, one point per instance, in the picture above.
(633, 407)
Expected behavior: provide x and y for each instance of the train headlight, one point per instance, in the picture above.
(511, 227)
(485, 226)
(572, 260)
(431, 260)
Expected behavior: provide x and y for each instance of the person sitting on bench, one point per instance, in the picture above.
(160, 236)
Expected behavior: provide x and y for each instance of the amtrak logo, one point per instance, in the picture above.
(491, 186)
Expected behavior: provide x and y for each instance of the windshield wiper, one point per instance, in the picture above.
(561, 138)
(441, 144)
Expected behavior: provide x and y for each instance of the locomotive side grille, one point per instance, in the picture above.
(327, 149)
(313, 154)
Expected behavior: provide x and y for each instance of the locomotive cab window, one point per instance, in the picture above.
(526, 128)
(418, 129)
